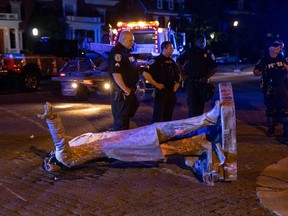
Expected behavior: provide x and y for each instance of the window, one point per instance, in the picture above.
(171, 4)
(69, 7)
(69, 10)
(159, 4)
(144, 38)
(12, 38)
(240, 4)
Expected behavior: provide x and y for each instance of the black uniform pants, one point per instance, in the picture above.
(123, 109)
(164, 103)
(276, 101)
(195, 99)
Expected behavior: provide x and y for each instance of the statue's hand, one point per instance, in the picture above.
(48, 113)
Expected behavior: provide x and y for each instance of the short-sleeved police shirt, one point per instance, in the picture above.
(164, 70)
(123, 62)
(273, 69)
(197, 62)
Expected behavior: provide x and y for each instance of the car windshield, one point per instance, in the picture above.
(92, 61)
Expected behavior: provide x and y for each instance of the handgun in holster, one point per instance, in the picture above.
(118, 95)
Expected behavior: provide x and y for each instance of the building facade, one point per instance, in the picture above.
(81, 20)
(10, 32)
(164, 11)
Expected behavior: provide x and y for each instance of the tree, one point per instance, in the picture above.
(48, 26)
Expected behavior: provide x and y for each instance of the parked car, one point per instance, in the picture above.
(227, 58)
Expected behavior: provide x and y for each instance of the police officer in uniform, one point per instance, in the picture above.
(123, 78)
(199, 65)
(163, 73)
(273, 69)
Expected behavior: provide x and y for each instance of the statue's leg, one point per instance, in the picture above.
(85, 150)
(168, 130)
(197, 152)
(186, 147)
(62, 148)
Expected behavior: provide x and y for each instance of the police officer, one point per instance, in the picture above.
(273, 69)
(199, 65)
(123, 78)
(163, 73)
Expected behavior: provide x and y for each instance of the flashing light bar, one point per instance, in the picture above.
(138, 24)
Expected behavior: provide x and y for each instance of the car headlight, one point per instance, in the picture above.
(74, 85)
(106, 86)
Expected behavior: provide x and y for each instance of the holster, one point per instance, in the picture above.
(118, 95)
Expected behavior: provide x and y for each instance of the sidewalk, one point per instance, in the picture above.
(272, 187)
(272, 183)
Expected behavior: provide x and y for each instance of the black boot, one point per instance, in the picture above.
(271, 126)
(284, 139)
(285, 127)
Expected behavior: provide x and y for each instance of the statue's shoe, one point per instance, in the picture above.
(50, 162)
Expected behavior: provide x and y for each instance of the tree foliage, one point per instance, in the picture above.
(49, 26)
(258, 21)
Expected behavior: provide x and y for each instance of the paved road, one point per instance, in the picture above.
(107, 187)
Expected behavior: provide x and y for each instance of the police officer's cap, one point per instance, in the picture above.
(274, 43)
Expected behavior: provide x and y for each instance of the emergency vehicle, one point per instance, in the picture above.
(28, 69)
(148, 38)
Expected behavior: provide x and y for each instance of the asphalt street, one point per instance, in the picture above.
(110, 187)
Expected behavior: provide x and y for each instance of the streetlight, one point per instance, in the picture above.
(235, 24)
(35, 32)
(212, 35)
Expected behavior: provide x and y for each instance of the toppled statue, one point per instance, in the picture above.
(147, 143)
